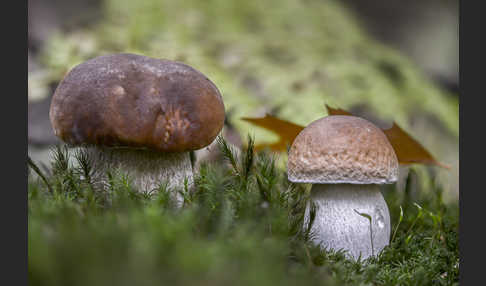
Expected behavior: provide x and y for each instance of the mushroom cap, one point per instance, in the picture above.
(130, 100)
(342, 149)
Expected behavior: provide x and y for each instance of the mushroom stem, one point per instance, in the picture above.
(338, 223)
(148, 169)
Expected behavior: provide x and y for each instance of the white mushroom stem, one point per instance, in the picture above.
(338, 225)
(147, 169)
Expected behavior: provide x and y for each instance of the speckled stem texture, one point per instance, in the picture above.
(338, 225)
(147, 169)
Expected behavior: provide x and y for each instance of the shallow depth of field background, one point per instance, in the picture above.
(382, 60)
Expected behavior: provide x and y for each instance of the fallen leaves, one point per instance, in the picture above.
(286, 130)
(407, 149)
(336, 111)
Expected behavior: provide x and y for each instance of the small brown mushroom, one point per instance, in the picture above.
(346, 158)
(140, 114)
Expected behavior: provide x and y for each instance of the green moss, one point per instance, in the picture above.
(241, 225)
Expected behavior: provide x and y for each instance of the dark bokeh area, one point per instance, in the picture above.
(406, 70)
(425, 31)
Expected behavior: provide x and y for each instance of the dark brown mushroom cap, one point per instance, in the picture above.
(342, 149)
(136, 101)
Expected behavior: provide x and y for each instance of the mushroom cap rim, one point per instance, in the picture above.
(121, 147)
(375, 182)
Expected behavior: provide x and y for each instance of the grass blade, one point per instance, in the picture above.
(34, 167)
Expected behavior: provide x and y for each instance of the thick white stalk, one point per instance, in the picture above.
(147, 169)
(339, 226)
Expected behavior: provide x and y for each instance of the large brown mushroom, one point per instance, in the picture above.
(138, 114)
(346, 158)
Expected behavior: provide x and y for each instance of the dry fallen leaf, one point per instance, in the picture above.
(337, 111)
(287, 131)
(407, 149)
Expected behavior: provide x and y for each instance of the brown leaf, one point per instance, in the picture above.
(408, 150)
(287, 131)
(337, 111)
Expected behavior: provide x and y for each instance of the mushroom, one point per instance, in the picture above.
(138, 114)
(346, 158)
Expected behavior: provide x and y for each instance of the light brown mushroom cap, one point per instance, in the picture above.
(342, 149)
(129, 100)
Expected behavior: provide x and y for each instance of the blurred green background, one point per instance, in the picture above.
(382, 60)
